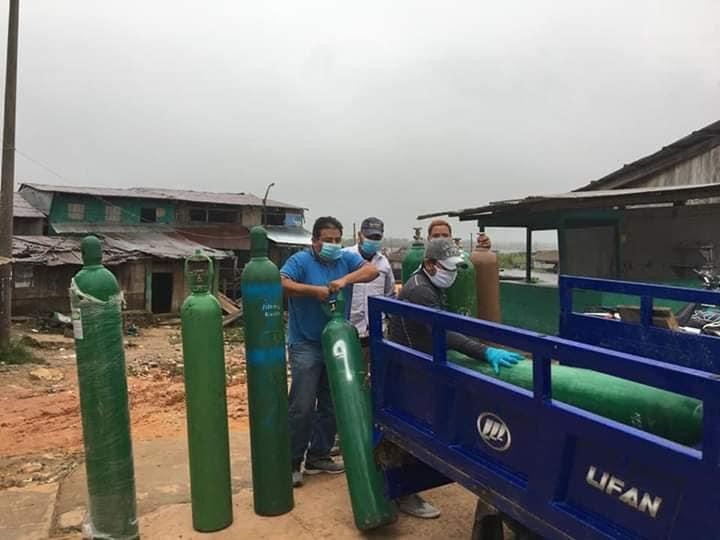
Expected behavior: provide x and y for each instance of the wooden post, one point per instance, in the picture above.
(528, 254)
(7, 180)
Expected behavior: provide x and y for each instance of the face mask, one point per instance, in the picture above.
(443, 279)
(370, 247)
(330, 252)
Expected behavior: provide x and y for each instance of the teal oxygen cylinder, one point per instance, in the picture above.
(262, 298)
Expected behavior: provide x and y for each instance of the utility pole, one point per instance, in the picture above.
(7, 176)
(264, 201)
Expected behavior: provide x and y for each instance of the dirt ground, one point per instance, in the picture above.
(40, 426)
(41, 448)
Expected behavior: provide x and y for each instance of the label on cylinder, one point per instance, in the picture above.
(77, 323)
(271, 310)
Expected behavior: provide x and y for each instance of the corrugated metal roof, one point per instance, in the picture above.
(200, 197)
(291, 236)
(161, 245)
(681, 150)
(23, 209)
(229, 236)
(57, 251)
(225, 237)
(117, 249)
(81, 227)
(521, 211)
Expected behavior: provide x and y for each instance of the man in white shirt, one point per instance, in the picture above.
(369, 240)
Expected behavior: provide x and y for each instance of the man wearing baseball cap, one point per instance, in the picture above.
(425, 287)
(369, 240)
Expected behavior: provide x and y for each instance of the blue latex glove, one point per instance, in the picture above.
(498, 358)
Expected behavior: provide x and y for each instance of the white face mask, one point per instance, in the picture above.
(443, 279)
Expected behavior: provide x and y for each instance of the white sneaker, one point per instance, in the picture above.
(297, 478)
(325, 465)
(416, 506)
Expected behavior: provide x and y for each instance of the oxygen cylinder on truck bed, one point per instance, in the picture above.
(462, 296)
(666, 414)
(487, 283)
(414, 257)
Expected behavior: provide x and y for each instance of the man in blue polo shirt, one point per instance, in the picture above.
(309, 278)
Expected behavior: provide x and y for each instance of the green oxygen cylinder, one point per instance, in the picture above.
(96, 305)
(666, 414)
(347, 373)
(207, 424)
(262, 298)
(462, 296)
(414, 257)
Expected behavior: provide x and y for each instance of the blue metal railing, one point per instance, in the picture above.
(430, 407)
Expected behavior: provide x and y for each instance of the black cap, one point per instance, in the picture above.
(372, 225)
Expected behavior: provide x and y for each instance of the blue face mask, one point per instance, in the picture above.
(370, 247)
(331, 252)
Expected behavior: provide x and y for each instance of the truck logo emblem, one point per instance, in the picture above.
(494, 431)
(613, 486)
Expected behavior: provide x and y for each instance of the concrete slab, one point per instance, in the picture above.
(27, 512)
(322, 505)
(322, 511)
(161, 474)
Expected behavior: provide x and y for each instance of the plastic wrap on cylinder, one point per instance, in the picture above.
(97, 328)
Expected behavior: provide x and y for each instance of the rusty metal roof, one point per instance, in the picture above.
(23, 209)
(117, 249)
(57, 251)
(161, 245)
(84, 228)
(198, 197)
(227, 236)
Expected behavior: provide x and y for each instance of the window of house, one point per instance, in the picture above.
(198, 215)
(294, 220)
(160, 213)
(23, 275)
(222, 216)
(148, 215)
(113, 214)
(76, 211)
(274, 218)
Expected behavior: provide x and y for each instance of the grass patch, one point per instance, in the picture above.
(18, 353)
(511, 260)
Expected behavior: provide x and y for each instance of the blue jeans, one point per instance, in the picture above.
(311, 413)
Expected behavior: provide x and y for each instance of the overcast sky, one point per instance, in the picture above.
(387, 108)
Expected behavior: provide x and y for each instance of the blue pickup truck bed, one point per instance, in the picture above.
(560, 471)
